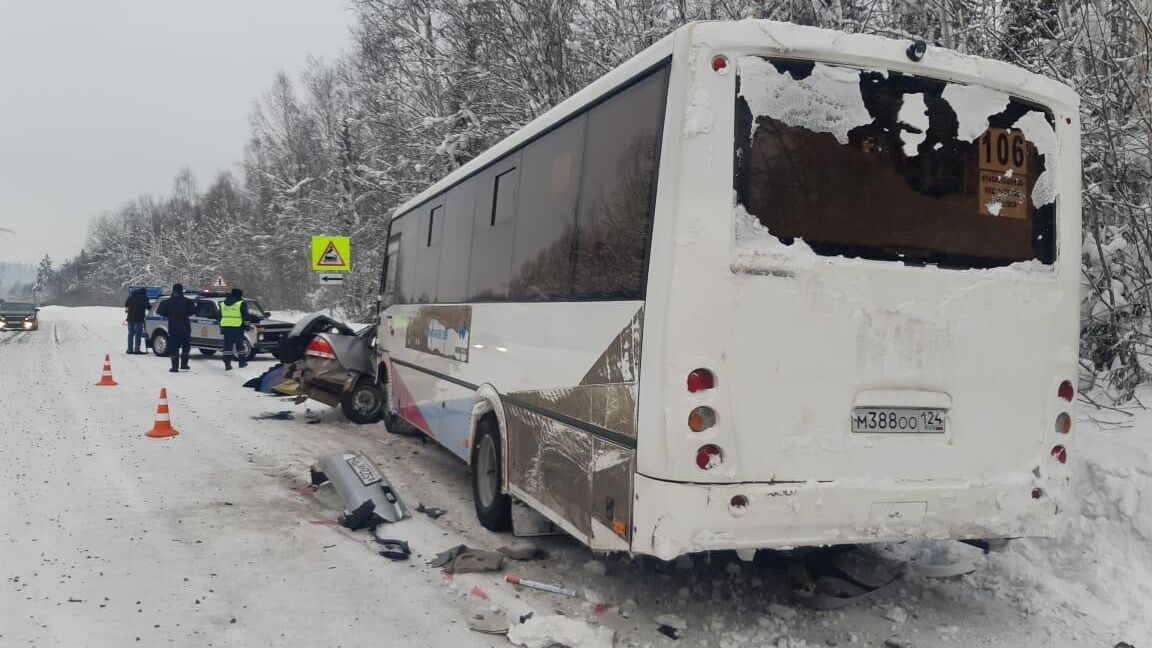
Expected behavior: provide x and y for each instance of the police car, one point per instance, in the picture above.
(260, 335)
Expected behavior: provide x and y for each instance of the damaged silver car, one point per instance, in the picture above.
(335, 365)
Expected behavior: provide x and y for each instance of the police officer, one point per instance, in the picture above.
(233, 316)
(179, 310)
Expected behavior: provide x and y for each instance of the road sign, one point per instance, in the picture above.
(331, 279)
(219, 282)
(331, 253)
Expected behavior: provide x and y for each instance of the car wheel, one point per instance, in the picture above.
(247, 351)
(364, 403)
(160, 343)
(493, 505)
(208, 352)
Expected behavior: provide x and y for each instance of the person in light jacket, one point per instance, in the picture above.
(233, 317)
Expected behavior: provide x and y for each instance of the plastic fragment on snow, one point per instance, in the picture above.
(546, 631)
(489, 624)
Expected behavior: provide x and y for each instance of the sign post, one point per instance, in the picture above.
(331, 259)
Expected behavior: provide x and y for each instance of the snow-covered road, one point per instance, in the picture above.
(109, 538)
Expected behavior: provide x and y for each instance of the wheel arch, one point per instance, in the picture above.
(487, 401)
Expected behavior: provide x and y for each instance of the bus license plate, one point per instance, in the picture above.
(365, 471)
(898, 420)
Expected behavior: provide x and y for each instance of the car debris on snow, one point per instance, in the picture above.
(358, 479)
(543, 587)
(430, 511)
(547, 631)
(463, 559)
(522, 551)
(489, 624)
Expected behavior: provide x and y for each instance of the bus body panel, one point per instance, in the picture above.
(567, 384)
(796, 345)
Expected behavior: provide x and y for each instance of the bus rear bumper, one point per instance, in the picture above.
(675, 518)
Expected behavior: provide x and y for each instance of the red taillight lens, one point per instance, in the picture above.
(1063, 423)
(1066, 391)
(719, 63)
(701, 419)
(1058, 453)
(701, 380)
(738, 501)
(319, 347)
(708, 457)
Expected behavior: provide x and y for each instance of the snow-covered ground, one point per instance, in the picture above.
(109, 538)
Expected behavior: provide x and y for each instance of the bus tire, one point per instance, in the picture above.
(493, 505)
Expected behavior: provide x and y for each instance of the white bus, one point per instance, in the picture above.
(761, 286)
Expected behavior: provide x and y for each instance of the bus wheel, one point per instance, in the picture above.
(493, 505)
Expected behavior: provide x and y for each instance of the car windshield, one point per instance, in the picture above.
(255, 310)
(17, 306)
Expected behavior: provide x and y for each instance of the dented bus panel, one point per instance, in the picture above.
(868, 265)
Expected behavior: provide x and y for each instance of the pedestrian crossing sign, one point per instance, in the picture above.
(331, 253)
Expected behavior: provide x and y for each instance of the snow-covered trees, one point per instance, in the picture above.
(429, 84)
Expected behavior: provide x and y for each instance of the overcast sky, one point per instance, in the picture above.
(105, 100)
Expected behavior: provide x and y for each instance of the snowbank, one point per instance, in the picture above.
(1099, 565)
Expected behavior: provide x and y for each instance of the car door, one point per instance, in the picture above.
(206, 326)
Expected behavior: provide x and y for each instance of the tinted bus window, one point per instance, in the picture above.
(491, 256)
(618, 190)
(545, 215)
(427, 254)
(456, 242)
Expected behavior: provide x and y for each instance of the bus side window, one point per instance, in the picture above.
(456, 242)
(546, 214)
(428, 254)
(616, 200)
(392, 269)
(490, 262)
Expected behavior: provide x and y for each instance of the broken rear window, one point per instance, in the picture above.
(881, 165)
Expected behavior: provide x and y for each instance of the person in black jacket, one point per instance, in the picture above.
(179, 310)
(136, 307)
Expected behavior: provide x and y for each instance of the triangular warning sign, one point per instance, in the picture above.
(219, 282)
(331, 257)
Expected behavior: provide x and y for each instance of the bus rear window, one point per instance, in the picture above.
(875, 164)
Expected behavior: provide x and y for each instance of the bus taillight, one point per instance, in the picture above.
(719, 63)
(709, 456)
(701, 380)
(701, 419)
(1066, 391)
(1058, 453)
(1063, 423)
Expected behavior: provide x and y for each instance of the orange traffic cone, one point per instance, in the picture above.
(163, 426)
(106, 374)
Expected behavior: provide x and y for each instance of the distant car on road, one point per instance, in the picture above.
(19, 316)
(261, 333)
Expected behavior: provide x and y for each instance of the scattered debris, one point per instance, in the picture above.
(596, 568)
(282, 415)
(546, 631)
(357, 478)
(463, 559)
(820, 583)
(668, 631)
(895, 643)
(543, 587)
(494, 625)
(397, 550)
(522, 551)
(432, 512)
(362, 517)
(896, 614)
(479, 593)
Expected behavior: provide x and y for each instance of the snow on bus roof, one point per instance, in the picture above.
(768, 37)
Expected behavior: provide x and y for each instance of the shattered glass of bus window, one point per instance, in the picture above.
(875, 164)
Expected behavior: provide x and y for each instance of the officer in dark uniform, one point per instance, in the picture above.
(179, 310)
